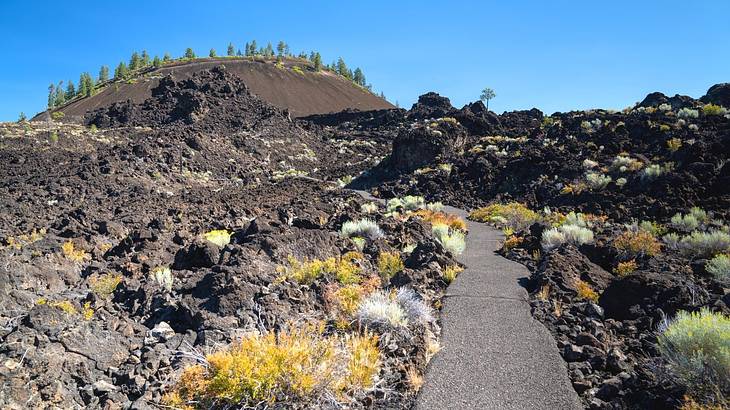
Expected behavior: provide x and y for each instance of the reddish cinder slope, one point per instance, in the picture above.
(302, 92)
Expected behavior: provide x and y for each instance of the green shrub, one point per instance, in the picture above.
(453, 240)
(712, 109)
(719, 267)
(512, 215)
(695, 345)
(705, 244)
(363, 228)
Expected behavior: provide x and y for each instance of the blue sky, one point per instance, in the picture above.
(553, 55)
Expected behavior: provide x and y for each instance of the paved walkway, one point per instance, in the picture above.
(494, 354)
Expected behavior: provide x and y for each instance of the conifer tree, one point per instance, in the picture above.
(51, 95)
(212, 53)
(70, 91)
(358, 77)
(342, 67)
(189, 53)
(103, 74)
(83, 85)
(280, 48)
(120, 73)
(269, 50)
(156, 62)
(239, 53)
(22, 117)
(253, 48)
(317, 61)
(145, 59)
(231, 50)
(134, 61)
(60, 97)
(166, 57)
(247, 49)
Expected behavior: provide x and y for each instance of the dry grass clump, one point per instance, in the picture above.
(342, 301)
(442, 218)
(219, 237)
(104, 285)
(299, 365)
(625, 268)
(585, 291)
(636, 243)
(512, 241)
(386, 311)
(70, 252)
(389, 263)
(363, 228)
(343, 269)
(451, 272)
(511, 215)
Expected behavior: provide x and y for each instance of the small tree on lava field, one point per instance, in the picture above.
(487, 94)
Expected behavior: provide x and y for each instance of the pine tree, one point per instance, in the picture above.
(269, 51)
(342, 67)
(145, 59)
(134, 61)
(280, 48)
(358, 77)
(120, 73)
(166, 57)
(212, 53)
(317, 61)
(487, 94)
(231, 50)
(86, 85)
(247, 49)
(51, 94)
(60, 97)
(70, 91)
(189, 53)
(253, 48)
(156, 62)
(239, 53)
(22, 117)
(103, 74)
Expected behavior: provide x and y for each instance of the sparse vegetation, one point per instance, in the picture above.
(705, 244)
(637, 243)
(219, 237)
(719, 267)
(452, 240)
(586, 292)
(513, 215)
(573, 234)
(104, 285)
(451, 272)
(363, 228)
(299, 364)
(389, 263)
(695, 346)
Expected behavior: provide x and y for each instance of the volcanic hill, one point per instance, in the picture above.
(292, 84)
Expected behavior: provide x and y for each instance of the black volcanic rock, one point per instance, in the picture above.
(431, 105)
(718, 94)
(678, 101)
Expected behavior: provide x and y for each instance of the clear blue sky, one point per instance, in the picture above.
(553, 55)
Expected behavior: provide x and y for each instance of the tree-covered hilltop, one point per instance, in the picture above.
(61, 93)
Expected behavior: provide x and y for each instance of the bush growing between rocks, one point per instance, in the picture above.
(380, 311)
(298, 365)
(574, 234)
(705, 244)
(512, 215)
(719, 267)
(369, 208)
(637, 243)
(625, 268)
(712, 109)
(695, 345)
(624, 163)
(163, 277)
(343, 269)
(77, 255)
(219, 237)
(441, 218)
(451, 272)
(389, 264)
(597, 181)
(585, 291)
(104, 285)
(452, 240)
(363, 228)
(688, 113)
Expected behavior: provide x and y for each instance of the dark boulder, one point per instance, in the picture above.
(718, 94)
